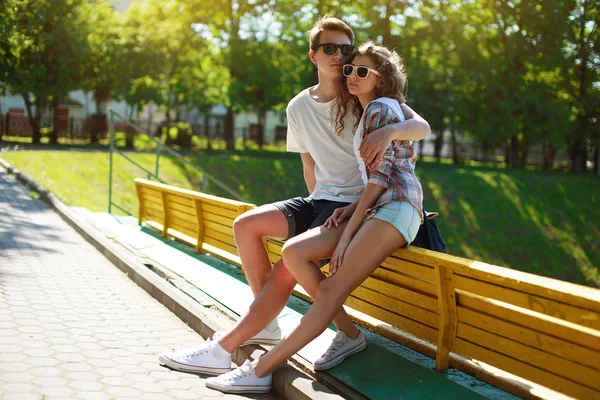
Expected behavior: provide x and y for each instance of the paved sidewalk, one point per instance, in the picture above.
(71, 324)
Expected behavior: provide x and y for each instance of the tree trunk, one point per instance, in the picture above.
(207, 129)
(454, 142)
(1, 122)
(437, 146)
(229, 136)
(33, 120)
(262, 117)
(515, 156)
(55, 122)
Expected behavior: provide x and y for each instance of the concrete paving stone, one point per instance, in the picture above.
(42, 361)
(46, 371)
(116, 381)
(123, 391)
(76, 367)
(156, 396)
(57, 333)
(60, 340)
(62, 391)
(133, 377)
(7, 367)
(12, 357)
(21, 396)
(18, 387)
(89, 346)
(6, 348)
(83, 376)
(16, 377)
(86, 386)
(181, 394)
(98, 362)
(44, 352)
(8, 332)
(50, 381)
(71, 357)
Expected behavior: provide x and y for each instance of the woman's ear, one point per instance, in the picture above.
(380, 82)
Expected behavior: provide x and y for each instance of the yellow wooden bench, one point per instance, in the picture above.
(512, 329)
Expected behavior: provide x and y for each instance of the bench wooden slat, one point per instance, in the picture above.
(218, 218)
(415, 298)
(182, 215)
(409, 268)
(224, 212)
(522, 316)
(227, 230)
(220, 236)
(185, 201)
(221, 245)
(529, 301)
(153, 203)
(395, 306)
(531, 337)
(187, 223)
(525, 370)
(405, 281)
(532, 356)
(180, 208)
(416, 328)
(193, 233)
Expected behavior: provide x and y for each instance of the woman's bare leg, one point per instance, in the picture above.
(373, 243)
(314, 244)
(298, 254)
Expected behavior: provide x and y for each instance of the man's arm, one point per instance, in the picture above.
(308, 164)
(374, 145)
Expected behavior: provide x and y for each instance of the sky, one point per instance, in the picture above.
(120, 5)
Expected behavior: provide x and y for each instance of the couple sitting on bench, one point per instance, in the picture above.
(354, 134)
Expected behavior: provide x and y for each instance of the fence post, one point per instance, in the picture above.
(448, 317)
(110, 168)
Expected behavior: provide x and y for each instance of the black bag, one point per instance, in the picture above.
(429, 236)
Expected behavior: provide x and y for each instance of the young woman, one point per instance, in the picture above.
(361, 235)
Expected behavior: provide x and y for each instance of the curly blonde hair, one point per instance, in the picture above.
(389, 64)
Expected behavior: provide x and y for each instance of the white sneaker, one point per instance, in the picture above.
(201, 359)
(341, 347)
(264, 337)
(241, 380)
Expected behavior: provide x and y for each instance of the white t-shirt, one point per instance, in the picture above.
(311, 129)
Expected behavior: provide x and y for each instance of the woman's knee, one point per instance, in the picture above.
(332, 292)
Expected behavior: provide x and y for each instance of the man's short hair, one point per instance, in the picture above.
(328, 23)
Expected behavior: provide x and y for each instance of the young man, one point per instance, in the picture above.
(333, 180)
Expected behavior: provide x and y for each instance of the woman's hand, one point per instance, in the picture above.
(374, 145)
(338, 256)
(339, 215)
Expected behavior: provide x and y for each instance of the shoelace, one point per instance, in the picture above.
(236, 373)
(335, 345)
(194, 351)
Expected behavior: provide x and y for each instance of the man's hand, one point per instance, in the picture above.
(339, 215)
(374, 146)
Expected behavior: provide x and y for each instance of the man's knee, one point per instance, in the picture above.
(282, 275)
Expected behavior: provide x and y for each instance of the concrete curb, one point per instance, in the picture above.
(288, 381)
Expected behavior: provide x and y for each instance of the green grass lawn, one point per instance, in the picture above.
(547, 223)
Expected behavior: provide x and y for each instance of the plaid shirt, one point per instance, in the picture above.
(396, 170)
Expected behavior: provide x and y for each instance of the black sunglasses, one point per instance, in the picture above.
(331, 48)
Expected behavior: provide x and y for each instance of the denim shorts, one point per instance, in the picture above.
(402, 215)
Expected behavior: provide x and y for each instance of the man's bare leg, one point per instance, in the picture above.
(317, 243)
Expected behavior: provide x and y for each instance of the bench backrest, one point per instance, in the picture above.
(464, 313)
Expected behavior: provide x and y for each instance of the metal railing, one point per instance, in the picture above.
(206, 177)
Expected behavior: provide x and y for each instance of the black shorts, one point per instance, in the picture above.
(304, 213)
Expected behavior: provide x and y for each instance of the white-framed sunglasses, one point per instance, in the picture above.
(361, 71)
